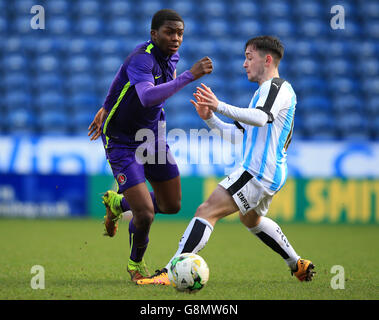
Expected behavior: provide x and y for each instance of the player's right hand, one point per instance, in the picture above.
(94, 128)
(202, 67)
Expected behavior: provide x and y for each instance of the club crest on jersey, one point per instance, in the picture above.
(121, 179)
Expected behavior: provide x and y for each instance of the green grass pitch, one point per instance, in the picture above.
(80, 263)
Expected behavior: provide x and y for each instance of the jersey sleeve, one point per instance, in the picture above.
(272, 99)
(140, 69)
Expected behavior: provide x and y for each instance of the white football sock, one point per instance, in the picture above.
(270, 233)
(194, 238)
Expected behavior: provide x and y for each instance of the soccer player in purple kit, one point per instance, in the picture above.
(135, 101)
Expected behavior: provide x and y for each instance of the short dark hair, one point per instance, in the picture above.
(267, 44)
(163, 15)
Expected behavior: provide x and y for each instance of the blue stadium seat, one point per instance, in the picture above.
(245, 9)
(314, 103)
(367, 67)
(312, 28)
(277, 9)
(88, 7)
(149, 7)
(308, 85)
(83, 101)
(15, 80)
(109, 64)
(47, 63)
(343, 85)
(48, 82)
(89, 26)
(184, 8)
(120, 27)
(371, 106)
(318, 125)
(111, 46)
(80, 82)
(17, 99)
(338, 67)
(370, 86)
(3, 25)
(22, 7)
(14, 62)
(60, 25)
(49, 101)
(216, 27)
(368, 9)
(305, 67)
(82, 46)
(54, 122)
(371, 29)
(58, 7)
(352, 126)
(347, 103)
(116, 8)
(21, 121)
(78, 64)
(247, 28)
(281, 28)
(213, 8)
(308, 9)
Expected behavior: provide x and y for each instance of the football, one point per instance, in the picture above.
(188, 272)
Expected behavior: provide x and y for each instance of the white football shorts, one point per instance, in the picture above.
(248, 193)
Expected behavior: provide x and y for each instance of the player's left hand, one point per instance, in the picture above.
(95, 126)
(205, 97)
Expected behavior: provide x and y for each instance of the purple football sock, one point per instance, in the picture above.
(138, 241)
(125, 205)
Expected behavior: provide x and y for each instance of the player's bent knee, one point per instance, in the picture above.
(143, 220)
(171, 208)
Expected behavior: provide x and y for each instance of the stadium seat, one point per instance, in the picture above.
(89, 26)
(78, 64)
(17, 99)
(245, 9)
(58, 7)
(215, 9)
(305, 67)
(14, 62)
(217, 27)
(343, 85)
(47, 63)
(371, 106)
(318, 125)
(58, 25)
(83, 101)
(120, 27)
(281, 28)
(48, 82)
(367, 67)
(14, 80)
(185, 8)
(116, 8)
(308, 9)
(338, 67)
(20, 121)
(347, 103)
(247, 28)
(314, 103)
(352, 126)
(368, 9)
(54, 122)
(312, 28)
(276, 9)
(87, 8)
(48, 101)
(80, 82)
(109, 64)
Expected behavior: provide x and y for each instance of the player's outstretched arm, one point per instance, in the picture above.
(250, 116)
(94, 128)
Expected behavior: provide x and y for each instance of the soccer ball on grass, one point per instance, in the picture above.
(188, 272)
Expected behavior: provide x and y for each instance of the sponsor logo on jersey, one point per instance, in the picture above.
(243, 200)
(121, 179)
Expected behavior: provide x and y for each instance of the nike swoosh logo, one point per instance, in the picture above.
(157, 77)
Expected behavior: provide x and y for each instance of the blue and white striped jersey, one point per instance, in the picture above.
(264, 148)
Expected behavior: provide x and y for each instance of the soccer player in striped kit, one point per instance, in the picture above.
(266, 128)
(134, 105)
